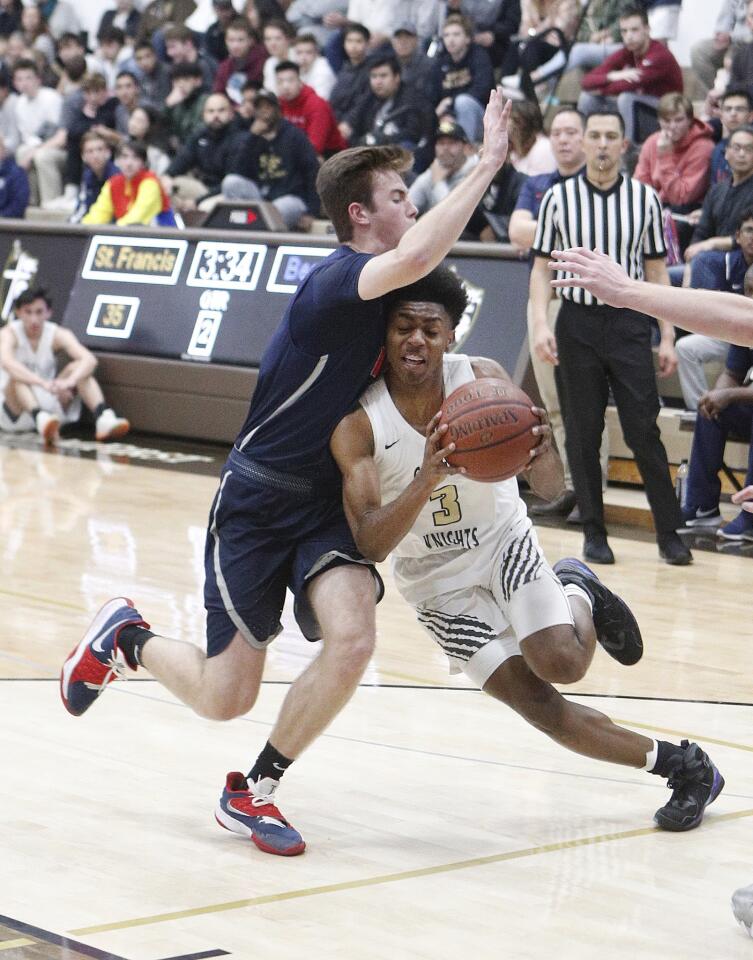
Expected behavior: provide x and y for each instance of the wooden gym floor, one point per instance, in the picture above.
(439, 824)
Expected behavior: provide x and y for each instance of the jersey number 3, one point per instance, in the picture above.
(449, 506)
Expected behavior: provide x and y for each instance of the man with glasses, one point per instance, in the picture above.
(726, 201)
(736, 111)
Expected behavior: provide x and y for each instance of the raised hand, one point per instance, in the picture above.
(595, 272)
(496, 124)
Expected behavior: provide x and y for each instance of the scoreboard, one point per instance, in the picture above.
(212, 298)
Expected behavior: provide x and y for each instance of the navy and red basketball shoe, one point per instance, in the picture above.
(256, 817)
(97, 660)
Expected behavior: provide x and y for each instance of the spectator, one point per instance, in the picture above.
(352, 83)
(245, 61)
(598, 35)
(70, 48)
(97, 168)
(180, 45)
(725, 409)
(547, 28)
(307, 111)
(323, 18)
(640, 73)
(133, 196)
(260, 12)
(675, 161)
(246, 110)
(380, 18)
(14, 185)
(530, 150)
(95, 110)
(415, 66)
(276, 163)
(277, 37)
(160, 16)
(741, 71)
(111, 55)
(10, 17)
(726, 201)
(730, 32)
(214, 38)
(197, 171)
(36, 32)
(128, 93)
(462, 77)
(494, 23)
(38, 395)
(154, 75)
(125, 17)
(144, 128)
(184, 105)
(736, 111)
(315, 70)
(491, 220)
(38, 112)
(70, 76)
(391, 112)
(566, 137)
(453, 161)
(60, 16)
(8, 114)
(713, 270)
(16, 50)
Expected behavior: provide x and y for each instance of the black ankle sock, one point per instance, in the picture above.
(100, 409)
(667, 758)
(131, 640)
(33, 413)
(269, 763)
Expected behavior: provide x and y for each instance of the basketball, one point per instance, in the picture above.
(490, 423)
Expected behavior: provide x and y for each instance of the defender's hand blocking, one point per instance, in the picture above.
(595, 272)
(496, 124)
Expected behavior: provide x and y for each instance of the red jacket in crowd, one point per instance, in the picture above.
(660, 73)
(252, 66)
(681, 175)
(315, 117)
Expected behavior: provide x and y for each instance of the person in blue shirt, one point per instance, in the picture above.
(566, 137)
(97, 168)
(277, 520)
(712, 270)
(727, 408)
(14, 185)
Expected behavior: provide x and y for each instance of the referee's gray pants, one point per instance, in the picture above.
(601, 347)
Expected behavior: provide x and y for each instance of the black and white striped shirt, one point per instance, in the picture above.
(624, 221)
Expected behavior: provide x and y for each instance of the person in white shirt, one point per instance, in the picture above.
(466, 558)
(8, 115)
(315, 69)
(38, 112)
(277, 36)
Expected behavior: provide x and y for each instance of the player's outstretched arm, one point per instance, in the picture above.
(429, 241)
(378, 529)
(726, 316)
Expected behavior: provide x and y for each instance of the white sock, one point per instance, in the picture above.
(652, 756)
(573, 590)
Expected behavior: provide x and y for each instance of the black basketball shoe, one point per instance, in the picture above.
(617, 629)
(695, 783)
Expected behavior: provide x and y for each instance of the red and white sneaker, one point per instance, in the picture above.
(257, 818)
(96, 660)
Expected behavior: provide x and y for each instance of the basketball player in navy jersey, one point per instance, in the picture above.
(277, 518)
(467, 559)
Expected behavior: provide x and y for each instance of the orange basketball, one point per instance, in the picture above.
(490, 423)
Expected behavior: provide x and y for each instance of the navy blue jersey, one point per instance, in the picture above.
(328, 347)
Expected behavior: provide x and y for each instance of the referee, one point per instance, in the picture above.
(597, 347)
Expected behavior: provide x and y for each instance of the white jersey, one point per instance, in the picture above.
(454, 540)
(42, 360)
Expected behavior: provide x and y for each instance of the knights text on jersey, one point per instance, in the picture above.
(460, 528)
(327, 349)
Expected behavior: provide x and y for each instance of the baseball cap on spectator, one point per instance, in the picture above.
(405, 27)
(268, 96)
(448, 128)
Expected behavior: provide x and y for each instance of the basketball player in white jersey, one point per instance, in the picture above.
(466, 557)
(35, 394)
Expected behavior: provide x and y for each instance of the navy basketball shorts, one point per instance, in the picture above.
(269, 531)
